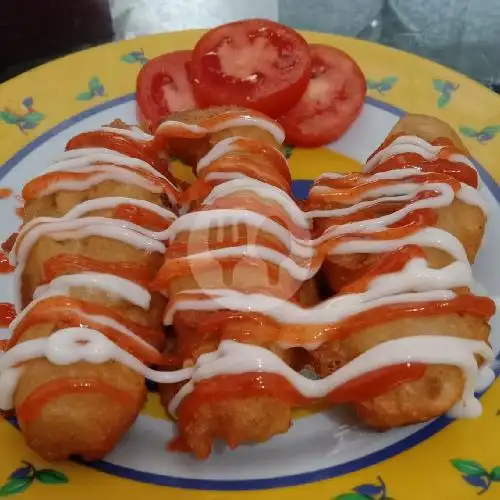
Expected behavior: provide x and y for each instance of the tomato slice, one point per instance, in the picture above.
(254, 63)
(163, 87)
(331, 103)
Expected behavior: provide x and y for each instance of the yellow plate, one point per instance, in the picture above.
(444, 460)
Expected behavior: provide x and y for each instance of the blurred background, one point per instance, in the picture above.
(462, 34)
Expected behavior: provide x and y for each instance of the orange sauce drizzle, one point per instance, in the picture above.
(36, 186)
(5, 193)
(391, 262)
(9, 243)
(4, 344)
(7, 314)
(346, 190)
(5, 266)
(148, 151)
(441, 164)
(141, 217)
(248, 166)
(61, 264)
(254, 385)
(252, 158)
(180, 131)
(70, 312)
(349, 191)
(212, 327)
(32, 406)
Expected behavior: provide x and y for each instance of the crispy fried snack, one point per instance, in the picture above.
(89, 230)
(463, 220)
(104, 399)
(411, 402)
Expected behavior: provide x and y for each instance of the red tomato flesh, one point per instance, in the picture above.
(331, 103)
(163, 87)
(255, 63)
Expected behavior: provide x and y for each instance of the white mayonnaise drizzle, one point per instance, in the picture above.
(195, 221)
(134, 133)
(73, 345)
(260, 252)
(123, 231)
(352, 209)
(265, 192)
(105, 164)
(102, 174)
(82, 209)
(116, 229)
(69, 346)
(222, 148)
(471, 196)
(233, 358)
(460, 158)
(88, 159)
(225, 176)
(101, 320)
(404, 144)
(283, 311)
(466, 194)
(114, 286)
(416, 282)
(23, 312)
(417, 276)
(412, 144)
(253, 121)
(444, 198)
(173, 124)
(428, 237)
(400, 173)
(244, 121)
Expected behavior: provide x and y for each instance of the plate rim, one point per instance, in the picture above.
(430, 429)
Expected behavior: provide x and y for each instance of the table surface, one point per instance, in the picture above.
(457, 33)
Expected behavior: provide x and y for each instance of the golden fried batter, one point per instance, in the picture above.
(88, 424)
(61, 202)
(429, 128)
(465, 222)
(96, 247)
(431, 396)
(235, 422)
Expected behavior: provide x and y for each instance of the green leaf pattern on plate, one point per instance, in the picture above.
(84, 96)
(474, 474)
(382, 86)
(51, 476)
(94, 88)
(26, 120)
(351, 496)
(136, 56)
(23, 477)
(367, 491)
(445, 89)
(15, 486)
(483, 136)
(287, 150)
(438, 85)
(469, 467)
(443, 100)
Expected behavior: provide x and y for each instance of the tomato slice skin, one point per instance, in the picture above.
(333, 99)
(163, 87)
(254, 63)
